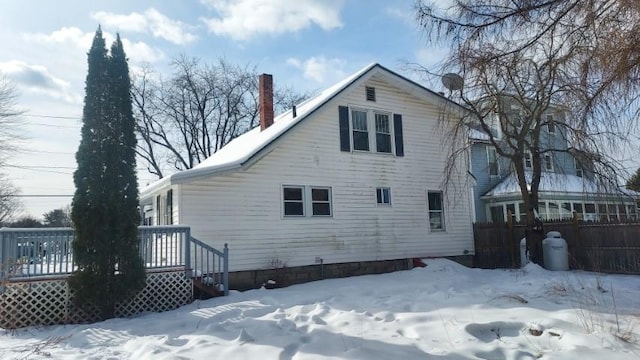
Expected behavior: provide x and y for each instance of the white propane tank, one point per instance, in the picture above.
(555, 252)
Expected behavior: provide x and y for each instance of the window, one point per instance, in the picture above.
(517, 116)
(631, 212)
(436, 210)
(169, 208)
(554, 211)
(527, 160)
(579, 172)
(158, 210)
(293, 201)
(590, 213)
(497, 214)
(542, 210)
(602, 211)
(301, 201)
(370, 93)
(551, 125)
(511, 209)
(578, 208)
(360, 132)
(548, 162)
(622, 212)
(369, 130)
(321, 201)
(383, 133)
(383, 196)
(492, 158)
(565, 210)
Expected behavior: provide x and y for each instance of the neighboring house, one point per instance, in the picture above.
(566, 184)
(354, 174)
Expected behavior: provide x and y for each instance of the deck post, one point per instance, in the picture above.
(2, 258)
(187, 253)
(225, 275)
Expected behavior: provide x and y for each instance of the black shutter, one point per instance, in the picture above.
(343, 115)
(397, 130)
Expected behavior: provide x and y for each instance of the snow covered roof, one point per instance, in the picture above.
(240, 150)
(475, 134)
(555, 183)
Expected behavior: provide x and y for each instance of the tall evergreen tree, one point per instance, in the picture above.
(104, 208)
(634, 182)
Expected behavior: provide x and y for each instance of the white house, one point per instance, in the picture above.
(354, 174)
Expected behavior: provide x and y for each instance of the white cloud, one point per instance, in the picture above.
(37, 79)
(151, 21)
(66, 36)
(137, 51)
(431, 57)
(320, 69)
(243, 19)
(402, 14)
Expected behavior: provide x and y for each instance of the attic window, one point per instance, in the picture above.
(371, 93)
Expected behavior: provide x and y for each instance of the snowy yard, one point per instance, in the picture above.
(442, 311)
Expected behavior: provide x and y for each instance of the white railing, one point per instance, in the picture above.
(42, 252)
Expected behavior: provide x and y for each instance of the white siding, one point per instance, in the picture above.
(244, 208)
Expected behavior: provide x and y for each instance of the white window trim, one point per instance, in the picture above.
(351, 129)
(442, 211)
(527, 152)
(307, 201)
(546, 118)
(282, 201)
(489, 149)
(578, 168)
(544, 162)
(371, 130)
(383, 204)
(311, 202)
(375, 132)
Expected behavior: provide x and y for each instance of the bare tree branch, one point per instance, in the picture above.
(199, 109)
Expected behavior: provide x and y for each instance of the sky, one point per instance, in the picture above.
(306, 44)
(442, 311)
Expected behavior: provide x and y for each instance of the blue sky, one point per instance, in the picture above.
(305, 44)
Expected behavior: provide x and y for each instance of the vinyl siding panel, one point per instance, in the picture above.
(244, 208)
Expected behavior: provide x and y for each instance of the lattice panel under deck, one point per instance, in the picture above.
(33, 303)
(49, 302)
(164, 291)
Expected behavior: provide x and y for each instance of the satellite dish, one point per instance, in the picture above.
(452, 81)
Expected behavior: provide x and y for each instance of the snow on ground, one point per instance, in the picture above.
(443, 311)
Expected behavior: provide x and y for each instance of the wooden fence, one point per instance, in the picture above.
(593, 246)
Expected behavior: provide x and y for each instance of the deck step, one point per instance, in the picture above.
(204, 290)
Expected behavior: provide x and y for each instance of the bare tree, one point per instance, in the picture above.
(9, 134)
(599, 38)
(537, 57)
(199, 109)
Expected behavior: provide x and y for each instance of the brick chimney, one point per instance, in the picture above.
(265, 90)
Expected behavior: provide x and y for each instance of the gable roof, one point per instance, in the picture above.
(242, 149)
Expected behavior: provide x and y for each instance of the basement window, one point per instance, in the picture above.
(370, 93)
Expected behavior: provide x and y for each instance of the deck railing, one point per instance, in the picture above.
(45, 252)
(211, 265)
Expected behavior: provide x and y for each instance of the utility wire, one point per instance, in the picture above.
(39, 195)
(53, 116)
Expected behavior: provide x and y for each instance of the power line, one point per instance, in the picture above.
(39, 195)
(42, 167)
(53, 117)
